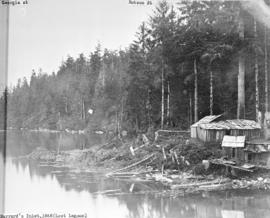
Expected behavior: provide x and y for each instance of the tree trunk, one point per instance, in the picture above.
(241, 76)
(137, 124)
(211, 92)
(148, 109)
(168, 104)
(256, 75)
(190, 109)
(66, 105)
(118, 126)
(122, 112)
(195, 91)
(162, 95)
(83, 110)
(116, 123)
(266, 70)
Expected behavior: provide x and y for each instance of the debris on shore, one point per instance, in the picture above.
(180, 163)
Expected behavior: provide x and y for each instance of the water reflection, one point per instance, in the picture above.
(31, 188)
(2, 171)
(41, 188)
(44, 194)
(23, 142)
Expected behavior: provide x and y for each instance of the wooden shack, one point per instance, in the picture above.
(207, 119)
(258, 152)
(255, 152)
(215, 131)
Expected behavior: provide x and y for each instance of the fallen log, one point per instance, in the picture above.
(169, 131)
(197, 184)
(219, 162)
(129, 174)
(132, 165)
(107, 191)
(172, 131)
(215, 186)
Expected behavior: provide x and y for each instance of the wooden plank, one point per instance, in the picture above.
(232, 166)
(233, 141)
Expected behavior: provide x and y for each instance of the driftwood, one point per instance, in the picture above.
(164, 154)
(146, 142)
(107, 191)
(215, 186)
(132, 165)
(129, 174)
(176, 157)
(199, 184)
(131, 187)
(172, 156)
(132, 150)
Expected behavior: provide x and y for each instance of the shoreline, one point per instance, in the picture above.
(115, 160)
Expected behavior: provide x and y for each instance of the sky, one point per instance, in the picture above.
(44, 32)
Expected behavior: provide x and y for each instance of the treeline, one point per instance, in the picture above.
(196, 59)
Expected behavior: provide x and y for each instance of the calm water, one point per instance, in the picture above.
(39, 188)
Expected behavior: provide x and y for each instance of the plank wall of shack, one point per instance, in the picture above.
(216, 135)
(210, 135)
(193, 132)
(249, 133)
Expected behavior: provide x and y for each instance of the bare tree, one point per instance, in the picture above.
(195, 91)
(241, 74)
(256, 75)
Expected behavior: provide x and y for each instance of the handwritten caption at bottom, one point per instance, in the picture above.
(46, 215)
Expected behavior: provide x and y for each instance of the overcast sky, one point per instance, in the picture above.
(44, 32)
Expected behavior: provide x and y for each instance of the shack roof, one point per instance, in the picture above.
(207, 119)
(233, 141)
(231, 124)
(260, 148)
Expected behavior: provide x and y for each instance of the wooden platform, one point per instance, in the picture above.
(227, 164)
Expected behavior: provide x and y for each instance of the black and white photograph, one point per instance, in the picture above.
(134, 108)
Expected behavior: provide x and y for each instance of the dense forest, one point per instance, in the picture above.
(186, 62)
